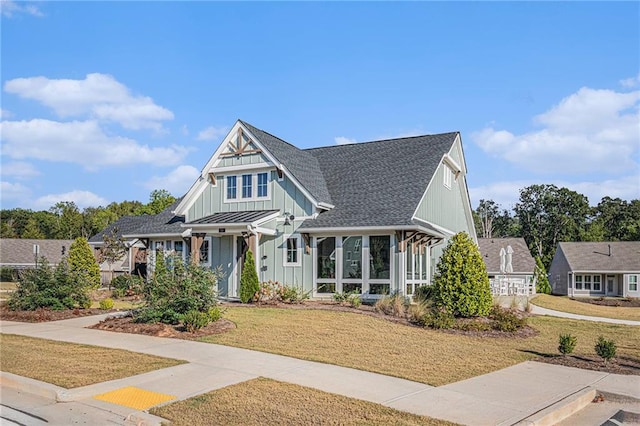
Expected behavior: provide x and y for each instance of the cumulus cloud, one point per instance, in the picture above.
(19, 170)
(212, 133)
(341, 140)
(587, 131)
(81, 142)
(81, 198)
(631, 82)
(97, 96)
(507, 194)
(11, 8)
(13, 191)
(177, 181)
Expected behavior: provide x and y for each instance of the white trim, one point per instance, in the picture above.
(139, 236)
(298, 240)
(453, 164)
(244, 167)
(325, 206)
(265, 231)
(240, 184)
(353, 230)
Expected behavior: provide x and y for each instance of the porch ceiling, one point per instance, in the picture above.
(233, 218)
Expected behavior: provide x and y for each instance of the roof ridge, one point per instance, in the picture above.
(381, 140)
(270, 134)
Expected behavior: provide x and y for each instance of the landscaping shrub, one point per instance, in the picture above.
(194, 320)
(45, 287)
(249, 283)
(355, 300)
(269, 291)
(566, 343)
(542, 282)
(416, 312)
(293, 294)
(215, 313)
(606, 349)
(439, 319)
(425, 293)
(461, 281)
(127, 285)
(505, 319)
(106, 304)
(169, 295)
(8, 275)
(393, 305)
(83, 263)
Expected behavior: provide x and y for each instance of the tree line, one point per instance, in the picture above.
(66, 221)
(546, 215)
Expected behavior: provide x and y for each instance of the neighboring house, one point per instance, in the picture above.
(21, 254)
(367, 217)
(596, 269)
(509, 264)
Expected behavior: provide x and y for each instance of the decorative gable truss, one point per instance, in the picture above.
(242, 144)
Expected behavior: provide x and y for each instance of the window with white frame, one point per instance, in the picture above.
(247, 187)
(292, 251)
(597, 283)
(633, 283)
(448, 176)
(578, 282)
(588, 282)
(205, 252)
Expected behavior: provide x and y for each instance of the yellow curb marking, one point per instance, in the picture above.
(133, 397)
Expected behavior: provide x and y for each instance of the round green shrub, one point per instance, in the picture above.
(195, 320)
(606, 349)
(566, 343)
(106, 304)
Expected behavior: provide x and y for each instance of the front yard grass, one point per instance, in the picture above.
(72, 365)
(565, 304)
(263, 401)
(428, 356)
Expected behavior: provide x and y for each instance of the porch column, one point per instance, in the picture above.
(196, 243)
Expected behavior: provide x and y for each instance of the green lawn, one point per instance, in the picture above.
(565, 304)
(423, 355)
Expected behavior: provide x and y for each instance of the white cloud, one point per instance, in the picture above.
(81, 198)
(590, 130)
(507, 193)
(98, 96)
(81, 142)
(341, 140)
(13, 191)
(212, 133)
(177, 181)
(4, 114)
(19, 170)
(11, 8)
(631, 82)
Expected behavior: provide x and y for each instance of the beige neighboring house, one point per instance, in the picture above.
(596, 269)
(510, 265)
(16, 253)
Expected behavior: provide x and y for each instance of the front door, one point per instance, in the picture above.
(241, 250)
(612, 285)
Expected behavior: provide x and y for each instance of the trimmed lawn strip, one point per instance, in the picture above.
(263, 401)
(73, 365)
(423, 355)
(565, 304)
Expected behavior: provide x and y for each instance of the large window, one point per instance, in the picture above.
(633, 283)
(417, 267)
(292, 251)
(588, 282)
(379, 264)
(247, 187)
(326, 265)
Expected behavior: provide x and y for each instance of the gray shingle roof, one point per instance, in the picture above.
(125, 224)
(18, 253)
(302, 164)
(522, 260)
(164, 223)
(590, 256)
(378, 183)
(234, 217)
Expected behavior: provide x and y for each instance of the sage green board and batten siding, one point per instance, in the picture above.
(222, 256)
(273, 247)
(285, 196)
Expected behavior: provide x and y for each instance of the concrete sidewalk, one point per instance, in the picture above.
(538, 310)
(500, 398)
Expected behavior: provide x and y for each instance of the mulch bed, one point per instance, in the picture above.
(127, 325)
(43, 315)
(612, 301)
(618, 365)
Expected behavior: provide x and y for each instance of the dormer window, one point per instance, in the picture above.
(448, 176)
(247, 187)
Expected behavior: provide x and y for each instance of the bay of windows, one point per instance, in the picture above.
(588, 282)
(252, 187)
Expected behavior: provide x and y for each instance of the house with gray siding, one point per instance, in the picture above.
(510, 266)
(369, 217)
(582, 269)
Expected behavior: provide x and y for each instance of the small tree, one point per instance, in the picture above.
(113, 249)
(83, 264)
(542, 282)
(461, 281)
(566, 343)
(606, 349)
(249, 283)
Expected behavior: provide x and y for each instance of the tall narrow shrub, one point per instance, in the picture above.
(461, 281)
(83, 264)
(542, 282)
(249, 283)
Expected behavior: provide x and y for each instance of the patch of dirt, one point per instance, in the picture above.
(618, 365)
(127, 325)
(43, 315)
(631, 302)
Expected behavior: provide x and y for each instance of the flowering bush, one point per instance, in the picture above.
(269, 291)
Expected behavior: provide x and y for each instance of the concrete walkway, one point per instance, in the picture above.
(503, 397)
(538, 310)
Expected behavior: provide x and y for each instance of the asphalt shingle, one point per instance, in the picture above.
(594, 256)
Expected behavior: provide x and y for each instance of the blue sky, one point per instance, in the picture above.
(106, 101)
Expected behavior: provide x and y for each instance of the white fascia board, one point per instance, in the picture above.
(599, 271)
(265, 219)
(367, 229)
(443, 230)
(138, 236)
(232, 169)
(325, 206)
(265, 231)
(452, 163)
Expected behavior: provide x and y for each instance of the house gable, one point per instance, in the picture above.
(242, 152)
(445, 202)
